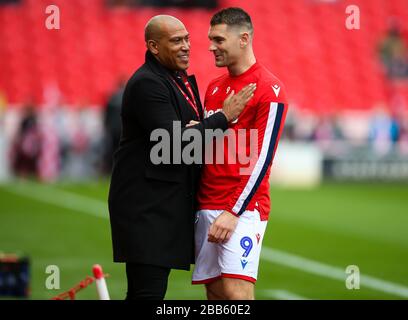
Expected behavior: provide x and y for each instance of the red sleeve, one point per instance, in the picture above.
(269, 120)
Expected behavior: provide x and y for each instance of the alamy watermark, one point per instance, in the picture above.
(353, 19)
(191, 146)
(53, 20)
(52, 282)
(353, 277)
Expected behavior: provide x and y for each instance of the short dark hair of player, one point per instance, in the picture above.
(234, 17)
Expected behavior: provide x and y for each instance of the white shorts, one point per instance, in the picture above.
(237, 258)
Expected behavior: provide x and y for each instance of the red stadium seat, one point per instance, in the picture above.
(326, 68)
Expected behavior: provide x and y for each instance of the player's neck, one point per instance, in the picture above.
(243, 65)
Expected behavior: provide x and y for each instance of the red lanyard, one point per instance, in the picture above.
(191, 102)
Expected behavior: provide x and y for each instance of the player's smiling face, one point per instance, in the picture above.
(225, 44)
(174, 48)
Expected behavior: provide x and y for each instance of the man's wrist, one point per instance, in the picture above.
(232, 212)
(226, 115)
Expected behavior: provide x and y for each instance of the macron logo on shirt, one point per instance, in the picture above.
(276, 89)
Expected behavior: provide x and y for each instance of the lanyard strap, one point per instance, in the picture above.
(191, 102)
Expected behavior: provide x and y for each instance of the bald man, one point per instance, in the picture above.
(152, 206)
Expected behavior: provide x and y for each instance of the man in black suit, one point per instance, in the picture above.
(152, 206)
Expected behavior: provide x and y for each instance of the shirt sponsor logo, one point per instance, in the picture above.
(209, 113)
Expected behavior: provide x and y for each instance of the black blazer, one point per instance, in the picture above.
(151, 206)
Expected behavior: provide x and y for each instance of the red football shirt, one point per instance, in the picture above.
(241, 181)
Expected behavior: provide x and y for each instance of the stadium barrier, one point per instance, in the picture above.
(98, 278)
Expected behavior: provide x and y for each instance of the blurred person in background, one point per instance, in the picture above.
(26, 147)
(77, 164)
(394, 53)
(403, 132)
(327, 129)
(112, 125)
(384, 131)
(152, 206)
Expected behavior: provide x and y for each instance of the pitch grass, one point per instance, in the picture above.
(335, 224)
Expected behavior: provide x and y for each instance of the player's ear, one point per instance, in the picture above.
(152, 46)
(244, 39)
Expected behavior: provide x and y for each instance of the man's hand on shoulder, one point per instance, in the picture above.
(235, 103)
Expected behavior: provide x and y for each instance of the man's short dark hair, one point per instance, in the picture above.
(232, 17)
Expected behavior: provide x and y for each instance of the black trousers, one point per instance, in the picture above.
(146, 282)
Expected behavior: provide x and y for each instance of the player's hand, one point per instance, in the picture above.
(222, 228)
(192, 123)
(235, 103)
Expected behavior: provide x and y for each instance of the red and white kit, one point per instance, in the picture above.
(224, 187)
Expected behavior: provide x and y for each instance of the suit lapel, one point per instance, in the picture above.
(182, 105)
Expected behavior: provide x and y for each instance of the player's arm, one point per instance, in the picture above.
(154, 109)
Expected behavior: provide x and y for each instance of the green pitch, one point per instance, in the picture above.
(312, 236)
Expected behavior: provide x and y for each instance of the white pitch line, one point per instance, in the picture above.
(280, 294)
(98, 208)
(64, 199)
(325, 270)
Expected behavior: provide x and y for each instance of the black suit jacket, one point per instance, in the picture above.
(152, 206)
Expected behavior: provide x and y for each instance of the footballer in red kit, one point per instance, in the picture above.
(222, 185)
(233, 197)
